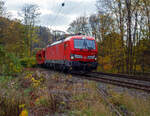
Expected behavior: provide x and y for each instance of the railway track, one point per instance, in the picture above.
(142, 78)
(117, 79)
(105, 97)
(134, 82)
(116, 109)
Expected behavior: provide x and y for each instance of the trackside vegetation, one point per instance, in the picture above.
(38, 93)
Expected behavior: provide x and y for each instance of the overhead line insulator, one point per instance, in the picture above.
(63, 4)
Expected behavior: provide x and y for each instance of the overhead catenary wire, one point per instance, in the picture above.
(75, 6)
(68, 11)
(62, 5)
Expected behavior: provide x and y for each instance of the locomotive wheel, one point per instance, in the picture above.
(38, 65)
(54, 67)
(64, 69)
(61, 68)
(57, 67)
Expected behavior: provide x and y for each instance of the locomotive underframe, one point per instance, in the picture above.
(73, 65)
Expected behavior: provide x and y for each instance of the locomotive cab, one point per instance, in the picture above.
(83, 55)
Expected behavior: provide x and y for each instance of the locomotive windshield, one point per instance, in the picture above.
(84, 44)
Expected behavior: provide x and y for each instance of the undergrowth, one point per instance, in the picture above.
(135, 106)
(39, 94)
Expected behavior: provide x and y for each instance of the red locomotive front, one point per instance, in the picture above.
(83, 53)
(75, 52)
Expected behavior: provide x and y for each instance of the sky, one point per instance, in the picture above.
(52, 15)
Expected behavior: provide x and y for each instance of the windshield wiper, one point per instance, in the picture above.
(84, 44)
(90, 48)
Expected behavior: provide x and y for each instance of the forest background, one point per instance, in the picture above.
(120, 27)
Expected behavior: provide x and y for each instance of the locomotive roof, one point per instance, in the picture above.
(70, 37)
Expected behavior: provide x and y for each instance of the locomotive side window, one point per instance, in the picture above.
(84, 44)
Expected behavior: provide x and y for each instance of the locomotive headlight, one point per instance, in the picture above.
(91, 57)
(71, 56)
(95, 58)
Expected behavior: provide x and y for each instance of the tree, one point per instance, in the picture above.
(2, 8)
(146, 14)
(110, 52)
(94, 23)
(30, 13)
(45, 36)
(80, 25)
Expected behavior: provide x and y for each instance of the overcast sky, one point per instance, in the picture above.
(49, 11)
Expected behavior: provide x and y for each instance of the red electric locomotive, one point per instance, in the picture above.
(78, 52)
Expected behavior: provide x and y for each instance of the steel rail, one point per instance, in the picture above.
(110, 105)
(142, 78)
(99, 78)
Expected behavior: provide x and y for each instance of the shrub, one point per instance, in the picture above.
(2, 54)
(10, 103)
(11, 65)
(28, 61)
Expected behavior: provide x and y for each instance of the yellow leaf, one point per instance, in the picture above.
(24, 113)
(21, 106)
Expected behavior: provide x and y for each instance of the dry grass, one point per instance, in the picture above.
(135, 106)
(42, 95)
(10, 99)
(87, 102)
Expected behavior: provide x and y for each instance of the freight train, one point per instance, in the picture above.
(75, 52)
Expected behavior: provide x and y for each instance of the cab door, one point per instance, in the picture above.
(65, 50)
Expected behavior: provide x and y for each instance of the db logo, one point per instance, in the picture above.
(84, 57)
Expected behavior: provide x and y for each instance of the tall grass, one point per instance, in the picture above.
(136, 106)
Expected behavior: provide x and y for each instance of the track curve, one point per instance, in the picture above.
(119, 80)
